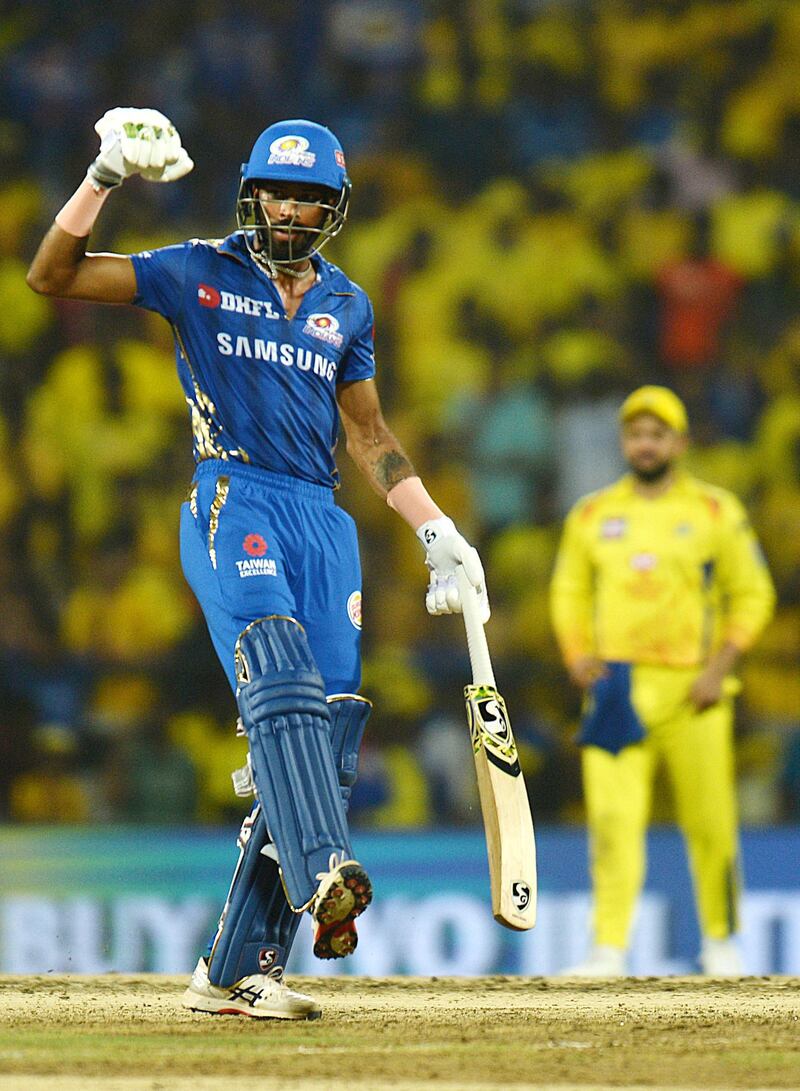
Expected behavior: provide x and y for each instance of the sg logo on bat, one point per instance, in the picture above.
(490, 728)
(520, 894)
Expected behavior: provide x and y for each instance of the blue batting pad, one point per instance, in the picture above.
(257, 926)
(609, 719)
(281, 700)
(349, 715)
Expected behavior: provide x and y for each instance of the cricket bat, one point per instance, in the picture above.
(510, 842)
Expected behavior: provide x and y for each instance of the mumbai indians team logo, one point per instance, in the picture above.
(520, 894)
(325, 327)
(291, 151)
(354, 609)
(490, 728)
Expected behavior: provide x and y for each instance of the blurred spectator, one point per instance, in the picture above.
(586, 428)
(52, 790)
(215, 750)
(151, 780)
(445, 757)
(697, 298)
(506, 436)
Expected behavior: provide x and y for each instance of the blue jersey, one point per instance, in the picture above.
(261, 388)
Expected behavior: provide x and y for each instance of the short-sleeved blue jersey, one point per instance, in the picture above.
(261, 388)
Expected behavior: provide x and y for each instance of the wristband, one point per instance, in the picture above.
(82, 209)
(102, 177)
(410, 499)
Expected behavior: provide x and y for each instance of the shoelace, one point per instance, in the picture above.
(334, 860)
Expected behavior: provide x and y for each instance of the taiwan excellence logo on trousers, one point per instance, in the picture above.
(256, 564)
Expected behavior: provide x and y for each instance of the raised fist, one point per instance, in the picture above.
(138, 141)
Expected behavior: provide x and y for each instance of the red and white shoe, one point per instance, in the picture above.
(344, 892)
(262, 996)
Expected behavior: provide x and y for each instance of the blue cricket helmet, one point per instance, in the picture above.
(300, 152)
(297, 151)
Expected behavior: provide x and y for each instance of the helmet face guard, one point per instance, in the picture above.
(302, 241)
(303, 153)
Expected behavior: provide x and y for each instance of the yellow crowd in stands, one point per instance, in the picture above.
(104, 440)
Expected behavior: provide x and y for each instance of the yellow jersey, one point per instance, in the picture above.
(662, 579)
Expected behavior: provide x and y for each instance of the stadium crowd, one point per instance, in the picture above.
(554, 202)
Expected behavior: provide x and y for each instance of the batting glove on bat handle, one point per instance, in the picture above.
(445, 550)
(137, 141)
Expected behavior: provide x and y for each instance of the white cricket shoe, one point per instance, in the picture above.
(602, 961)
(259, 995)
(721, 958)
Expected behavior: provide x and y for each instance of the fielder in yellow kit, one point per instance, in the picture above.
(659, 585)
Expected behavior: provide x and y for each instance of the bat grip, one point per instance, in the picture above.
(482, 673)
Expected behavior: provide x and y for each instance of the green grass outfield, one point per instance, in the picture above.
(455, 1034)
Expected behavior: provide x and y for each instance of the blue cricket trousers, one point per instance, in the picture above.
(255, 543)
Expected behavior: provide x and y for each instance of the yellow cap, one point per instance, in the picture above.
(661, 402)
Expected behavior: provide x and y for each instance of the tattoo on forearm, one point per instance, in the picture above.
(391, 468)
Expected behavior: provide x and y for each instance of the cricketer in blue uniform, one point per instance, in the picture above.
(274, 346)
(261, 533)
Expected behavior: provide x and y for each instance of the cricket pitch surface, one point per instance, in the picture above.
(126, 1033)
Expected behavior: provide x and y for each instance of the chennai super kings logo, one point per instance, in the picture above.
(490, 728)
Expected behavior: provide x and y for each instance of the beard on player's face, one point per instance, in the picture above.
(296, 246)
(649, 471)
(650, 448)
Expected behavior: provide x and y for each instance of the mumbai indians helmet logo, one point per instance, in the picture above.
(490, 728)
(291, 151)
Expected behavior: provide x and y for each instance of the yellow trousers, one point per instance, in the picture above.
(697, 749)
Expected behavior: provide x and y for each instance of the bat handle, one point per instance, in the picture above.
(482, 673)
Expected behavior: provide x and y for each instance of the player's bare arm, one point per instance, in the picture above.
(377, 452)
(370, 442)
(62, 268)
(133, 141)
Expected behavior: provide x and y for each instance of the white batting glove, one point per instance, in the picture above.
(445, 550)
(134, 141)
